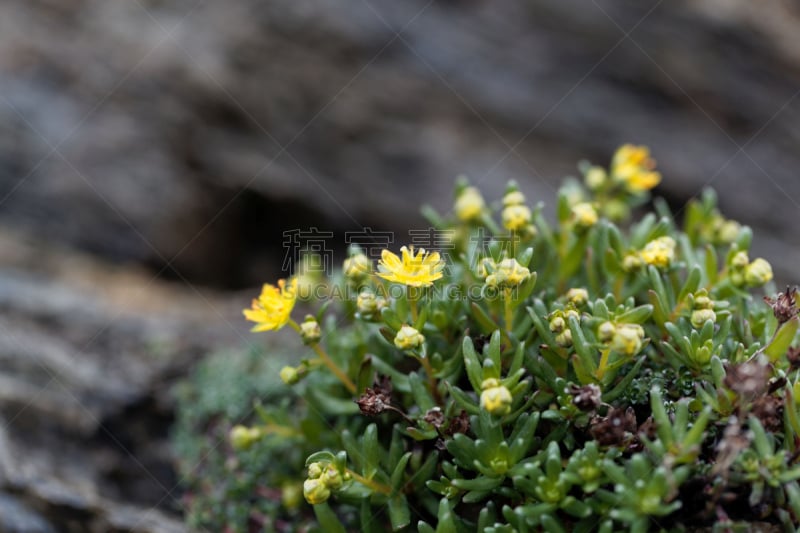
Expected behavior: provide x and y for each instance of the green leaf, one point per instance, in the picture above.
(472, 364)
(463, 400)
(586, 351)
(485, 323)
(480, 483)
(624, 383)
(494, 349)
(420, 391)
(692, 283)
(446, 519)
(391, 319)
(783, 338)
(398, 475)
(399, 513)
(371, 451)
(637, 315)
(369, 522)
(424, 527)
(711, 264)
(323, 456)
(328, 521)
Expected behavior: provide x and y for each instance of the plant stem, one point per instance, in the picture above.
(601, 368)
(508, 315)
(412, 295)
(327, 361)
(374, 485)
(426, 364)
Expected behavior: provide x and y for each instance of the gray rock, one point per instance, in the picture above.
(88, 354)
(128, 127)
(16, 517)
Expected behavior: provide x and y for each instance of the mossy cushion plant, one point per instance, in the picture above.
(596, 374)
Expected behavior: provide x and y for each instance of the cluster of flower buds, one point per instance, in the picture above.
(507, 274)
(323, 478)
(659, 252)
(703, 309)
(744, 272)
(516, 215)
(559, 324)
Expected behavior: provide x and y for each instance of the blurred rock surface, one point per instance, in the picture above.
(195, 132)
(88, 353)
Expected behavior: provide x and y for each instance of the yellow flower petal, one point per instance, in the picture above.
(272, 309)
(418, 269)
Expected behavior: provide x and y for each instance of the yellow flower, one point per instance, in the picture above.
(516, 217)
(633, 166)
(272, 308)
(643, 181)
(659, 252)
(469, 204)
(415, 270)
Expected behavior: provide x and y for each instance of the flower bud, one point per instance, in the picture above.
(577, 296)
(627, 339)
(408, 338)
(508, 274)
(369, 305)
(357, 268)
(728, 231)
(242, 437)
(290, 495)
(740, 260)
(631, 263)
(659, 252)
(700, 316)
(289, 375)
(310, 331)
(513, 198)
(558, 324)
(516, 217)
(564, 339)
(702, 301)
(758, 273)
(469, 204)
(496, 399)
(315, 470)
(605, 332)
(584, 215)
(332, 477)
(315, 491)
(596, 177)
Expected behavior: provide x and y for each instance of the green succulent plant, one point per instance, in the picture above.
(599, 373)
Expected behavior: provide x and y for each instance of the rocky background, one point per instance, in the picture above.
(152, 153)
